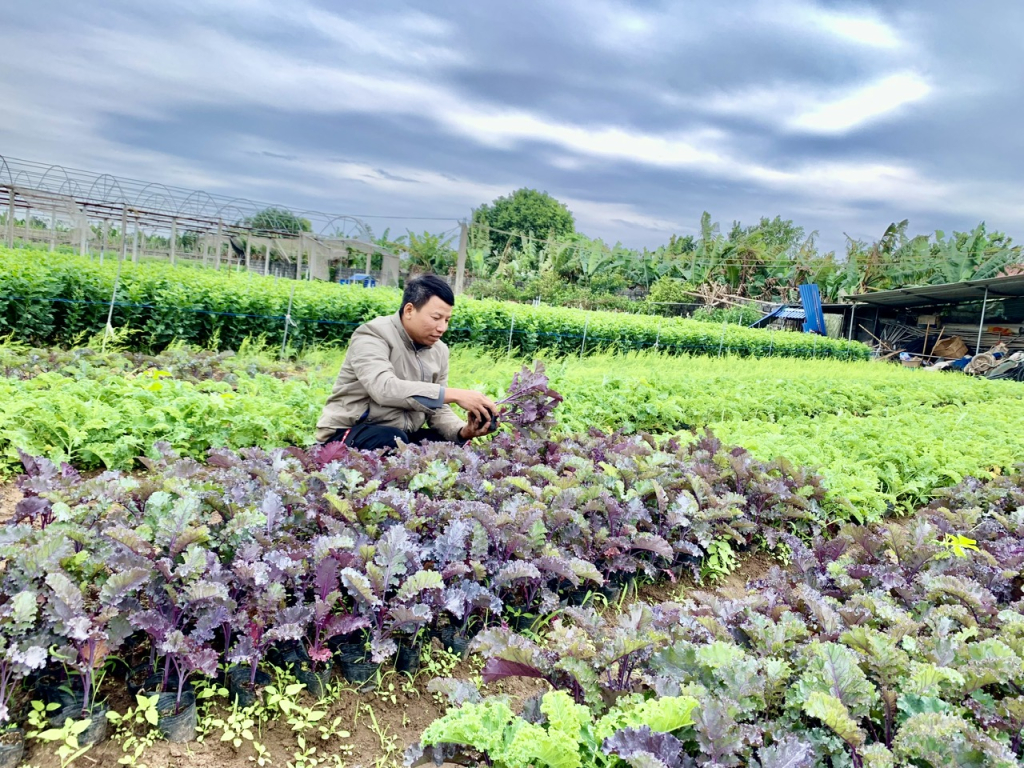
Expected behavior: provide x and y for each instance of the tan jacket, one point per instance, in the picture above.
(386, 380)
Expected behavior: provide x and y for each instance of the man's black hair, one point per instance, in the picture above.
(419, 291)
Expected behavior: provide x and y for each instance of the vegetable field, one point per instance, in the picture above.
(881, 437)
(187, 579)
(61, 298)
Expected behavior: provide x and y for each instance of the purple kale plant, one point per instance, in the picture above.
(22, 650)
(529, 404)
(328, 621)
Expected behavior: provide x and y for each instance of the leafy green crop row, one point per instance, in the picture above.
(880, 435)
(59, 298)
(110, 422)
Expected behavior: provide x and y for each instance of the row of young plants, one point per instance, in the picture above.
(882, 437)
(336, 555)
(637, 391)
(896, 644)
(56, 298)
(109, 421)
(179, 361)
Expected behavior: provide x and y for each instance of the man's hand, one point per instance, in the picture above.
(480, 409)
(475, 428)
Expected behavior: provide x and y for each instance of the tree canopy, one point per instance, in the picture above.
(525, 212)
(278, 220)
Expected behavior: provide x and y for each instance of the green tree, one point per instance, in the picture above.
(271, 220)
(778, 235)
(429, 253)
(524, 212)
(678, 244)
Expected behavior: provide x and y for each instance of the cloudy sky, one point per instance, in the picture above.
(639, 115)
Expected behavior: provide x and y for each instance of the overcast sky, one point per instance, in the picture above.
(638, 115)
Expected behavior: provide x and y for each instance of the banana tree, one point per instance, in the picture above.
(428, 253)
(595, 258)
(970, 256)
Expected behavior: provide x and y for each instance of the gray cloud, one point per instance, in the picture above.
(843, 116)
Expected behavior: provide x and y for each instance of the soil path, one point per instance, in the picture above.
(9, 498)
(382, 723)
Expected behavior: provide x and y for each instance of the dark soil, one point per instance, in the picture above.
(400, 715)
(752, 567)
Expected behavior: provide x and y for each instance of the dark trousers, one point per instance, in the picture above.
(370, 437)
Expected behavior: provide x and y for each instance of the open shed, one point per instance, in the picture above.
(981, 312)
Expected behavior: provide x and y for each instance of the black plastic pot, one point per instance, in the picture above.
(521, 622)
(62, 696)
(453, 641)
(69, 706)
(408, 658)
(683, 563)
(97, 730)
(12, 748)
(287, 654)
(626, 582)
(348, 644)
(317, 683)
(155, 684)
(358, 669)
(611, 592)
(239, 688)
(57, 689)
(181, 726)
(579, 596)
(137, 679)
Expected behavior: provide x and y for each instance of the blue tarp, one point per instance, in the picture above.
(768, 318)
(810, 297)
(357, 278)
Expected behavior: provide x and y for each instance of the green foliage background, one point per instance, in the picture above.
(524, 212)
(58, 298)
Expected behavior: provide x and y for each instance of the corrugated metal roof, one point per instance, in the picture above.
(948, 293)
(792, 313)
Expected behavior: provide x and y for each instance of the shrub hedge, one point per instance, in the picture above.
(57, 298)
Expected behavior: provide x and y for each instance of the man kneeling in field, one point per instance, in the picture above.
(394, 380)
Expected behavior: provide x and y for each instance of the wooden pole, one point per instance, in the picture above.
(10, 217)
(53, 229)
(220, 239)
(124, 233)
(869, 333)
(174, 239)
(103, 243)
